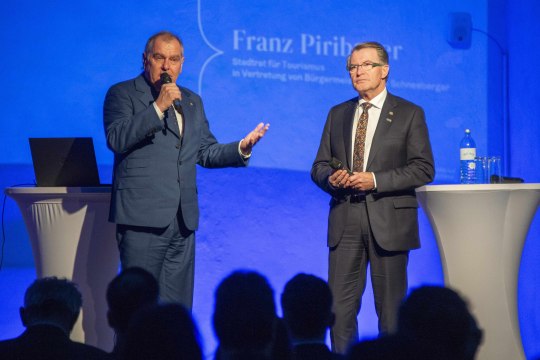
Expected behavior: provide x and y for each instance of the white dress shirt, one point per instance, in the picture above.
(374, 113)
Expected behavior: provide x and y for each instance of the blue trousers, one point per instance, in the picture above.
(167, 253)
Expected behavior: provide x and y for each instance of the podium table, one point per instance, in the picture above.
(71, 237)
(480, 232)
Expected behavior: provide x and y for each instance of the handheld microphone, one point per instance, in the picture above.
(338, 165)
(166, 79)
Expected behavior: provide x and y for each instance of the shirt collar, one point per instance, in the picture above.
(377, 101)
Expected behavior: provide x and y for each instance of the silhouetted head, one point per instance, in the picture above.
(438, 320)
(131, 290)
(51, 301)
(244, 312)
(307, 307)
(162, 332)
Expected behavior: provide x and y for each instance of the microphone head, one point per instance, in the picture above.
(335, 164)
(165, 78)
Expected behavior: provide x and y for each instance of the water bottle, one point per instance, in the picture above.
(467, 153)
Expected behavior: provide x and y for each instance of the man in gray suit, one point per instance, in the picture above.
(373, 220)
(158, 132)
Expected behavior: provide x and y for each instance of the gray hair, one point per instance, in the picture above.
(166, 35)
(381, 51)
(51, 288)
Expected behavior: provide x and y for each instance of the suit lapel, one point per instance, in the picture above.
(188, 114)
(144, 91)
(383, 126)
(187, 111)
(348, 130)
(171, 122)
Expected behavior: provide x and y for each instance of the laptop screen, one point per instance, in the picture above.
(64, 161)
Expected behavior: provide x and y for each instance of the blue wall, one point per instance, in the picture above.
(59, 60)
(522, 43)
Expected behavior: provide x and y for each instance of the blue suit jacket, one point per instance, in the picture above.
(154, 167)
(402, 160)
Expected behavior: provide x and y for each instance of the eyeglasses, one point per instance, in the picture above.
(365, 66)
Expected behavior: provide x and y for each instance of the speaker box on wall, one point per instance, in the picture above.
(459, 36)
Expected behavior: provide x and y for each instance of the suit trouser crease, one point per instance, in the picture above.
(348, 263)
(167, 253)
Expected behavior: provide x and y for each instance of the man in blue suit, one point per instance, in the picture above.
(158, 132)
(373, 219)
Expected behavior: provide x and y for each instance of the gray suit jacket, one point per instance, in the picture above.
(154, 167)
(401, 159)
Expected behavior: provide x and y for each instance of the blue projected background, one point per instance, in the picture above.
(281, 62)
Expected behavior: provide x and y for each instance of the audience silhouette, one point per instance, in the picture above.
(162, 332)
(433, 323)
(306, 302)
(131, 290)
(245, 320)
(51, 308)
